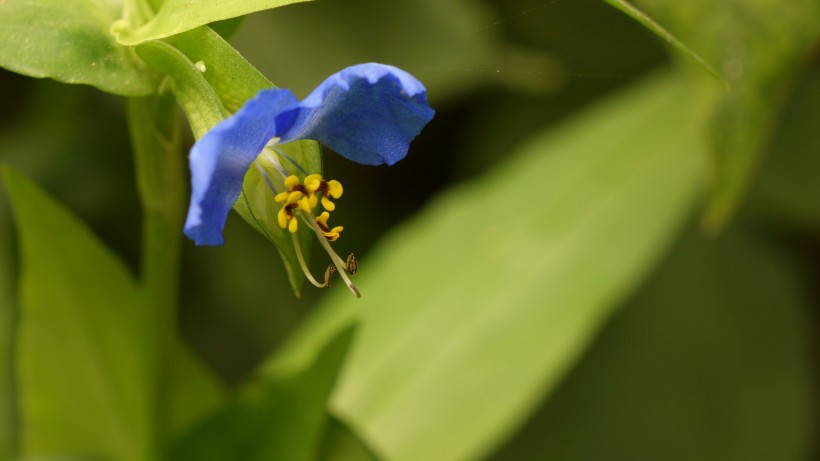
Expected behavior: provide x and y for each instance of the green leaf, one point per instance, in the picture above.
(759, 45)
(177, 16)
(68, 40)
(273, 419)
(787, 188)
(83, 364)
(192, 391)
(638, 15)
(710, 361)
(341, 444)
(476, 309)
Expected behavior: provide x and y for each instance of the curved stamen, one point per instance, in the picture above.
(304, 266)
(337, 261)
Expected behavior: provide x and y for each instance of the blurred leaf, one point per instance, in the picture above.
(68, 40)
(8, 429)
(193, 392)
(82, 363)
(468, 319)
(711, 361)
(227, 28)
(449, 45)
(759, 45)
(638, 15)
(787, 188)
(341, 444)
(177, 16)
(274, 419)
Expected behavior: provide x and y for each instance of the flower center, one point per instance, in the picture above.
(299, 200)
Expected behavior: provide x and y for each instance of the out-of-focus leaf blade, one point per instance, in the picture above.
(711, 361)
(68, 40)
(273, 419)
(84, 377)
(638, 15)
(177, 16)
(341, 444)
(193, 392)
(787, 188)
(477, 308)
(759, 46)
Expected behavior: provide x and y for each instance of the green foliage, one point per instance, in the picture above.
(68, 40)
(84, 350)
(759, 45)
(638, 15)
(707, 362)
(280, 419)
(177, 16)
(479, 309)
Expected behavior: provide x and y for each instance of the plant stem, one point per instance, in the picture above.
(155, 136)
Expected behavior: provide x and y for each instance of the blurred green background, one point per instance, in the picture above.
(550, 219)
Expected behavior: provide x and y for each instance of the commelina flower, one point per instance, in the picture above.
(367, 113)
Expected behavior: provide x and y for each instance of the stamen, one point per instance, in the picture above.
(265, 175)
(290, 159)
(304, 266)
(337, 261)
(274, 161)
(329, 274)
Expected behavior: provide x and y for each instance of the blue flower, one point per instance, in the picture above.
(367, 113)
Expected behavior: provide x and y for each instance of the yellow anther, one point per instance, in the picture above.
(291, 181)
(304, 204)
(282, 217)
(327, 204)
(334, 188)
(322, 219)
(294, 225)
(294, 197)
(313, 182)
(330, 234)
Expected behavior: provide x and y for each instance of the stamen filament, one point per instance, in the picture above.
(265, 175)
(290, 159)
(276, 164)
(337, 261)
(302, 263)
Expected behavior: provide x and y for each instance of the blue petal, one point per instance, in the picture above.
(220, 159)
(367, 113)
